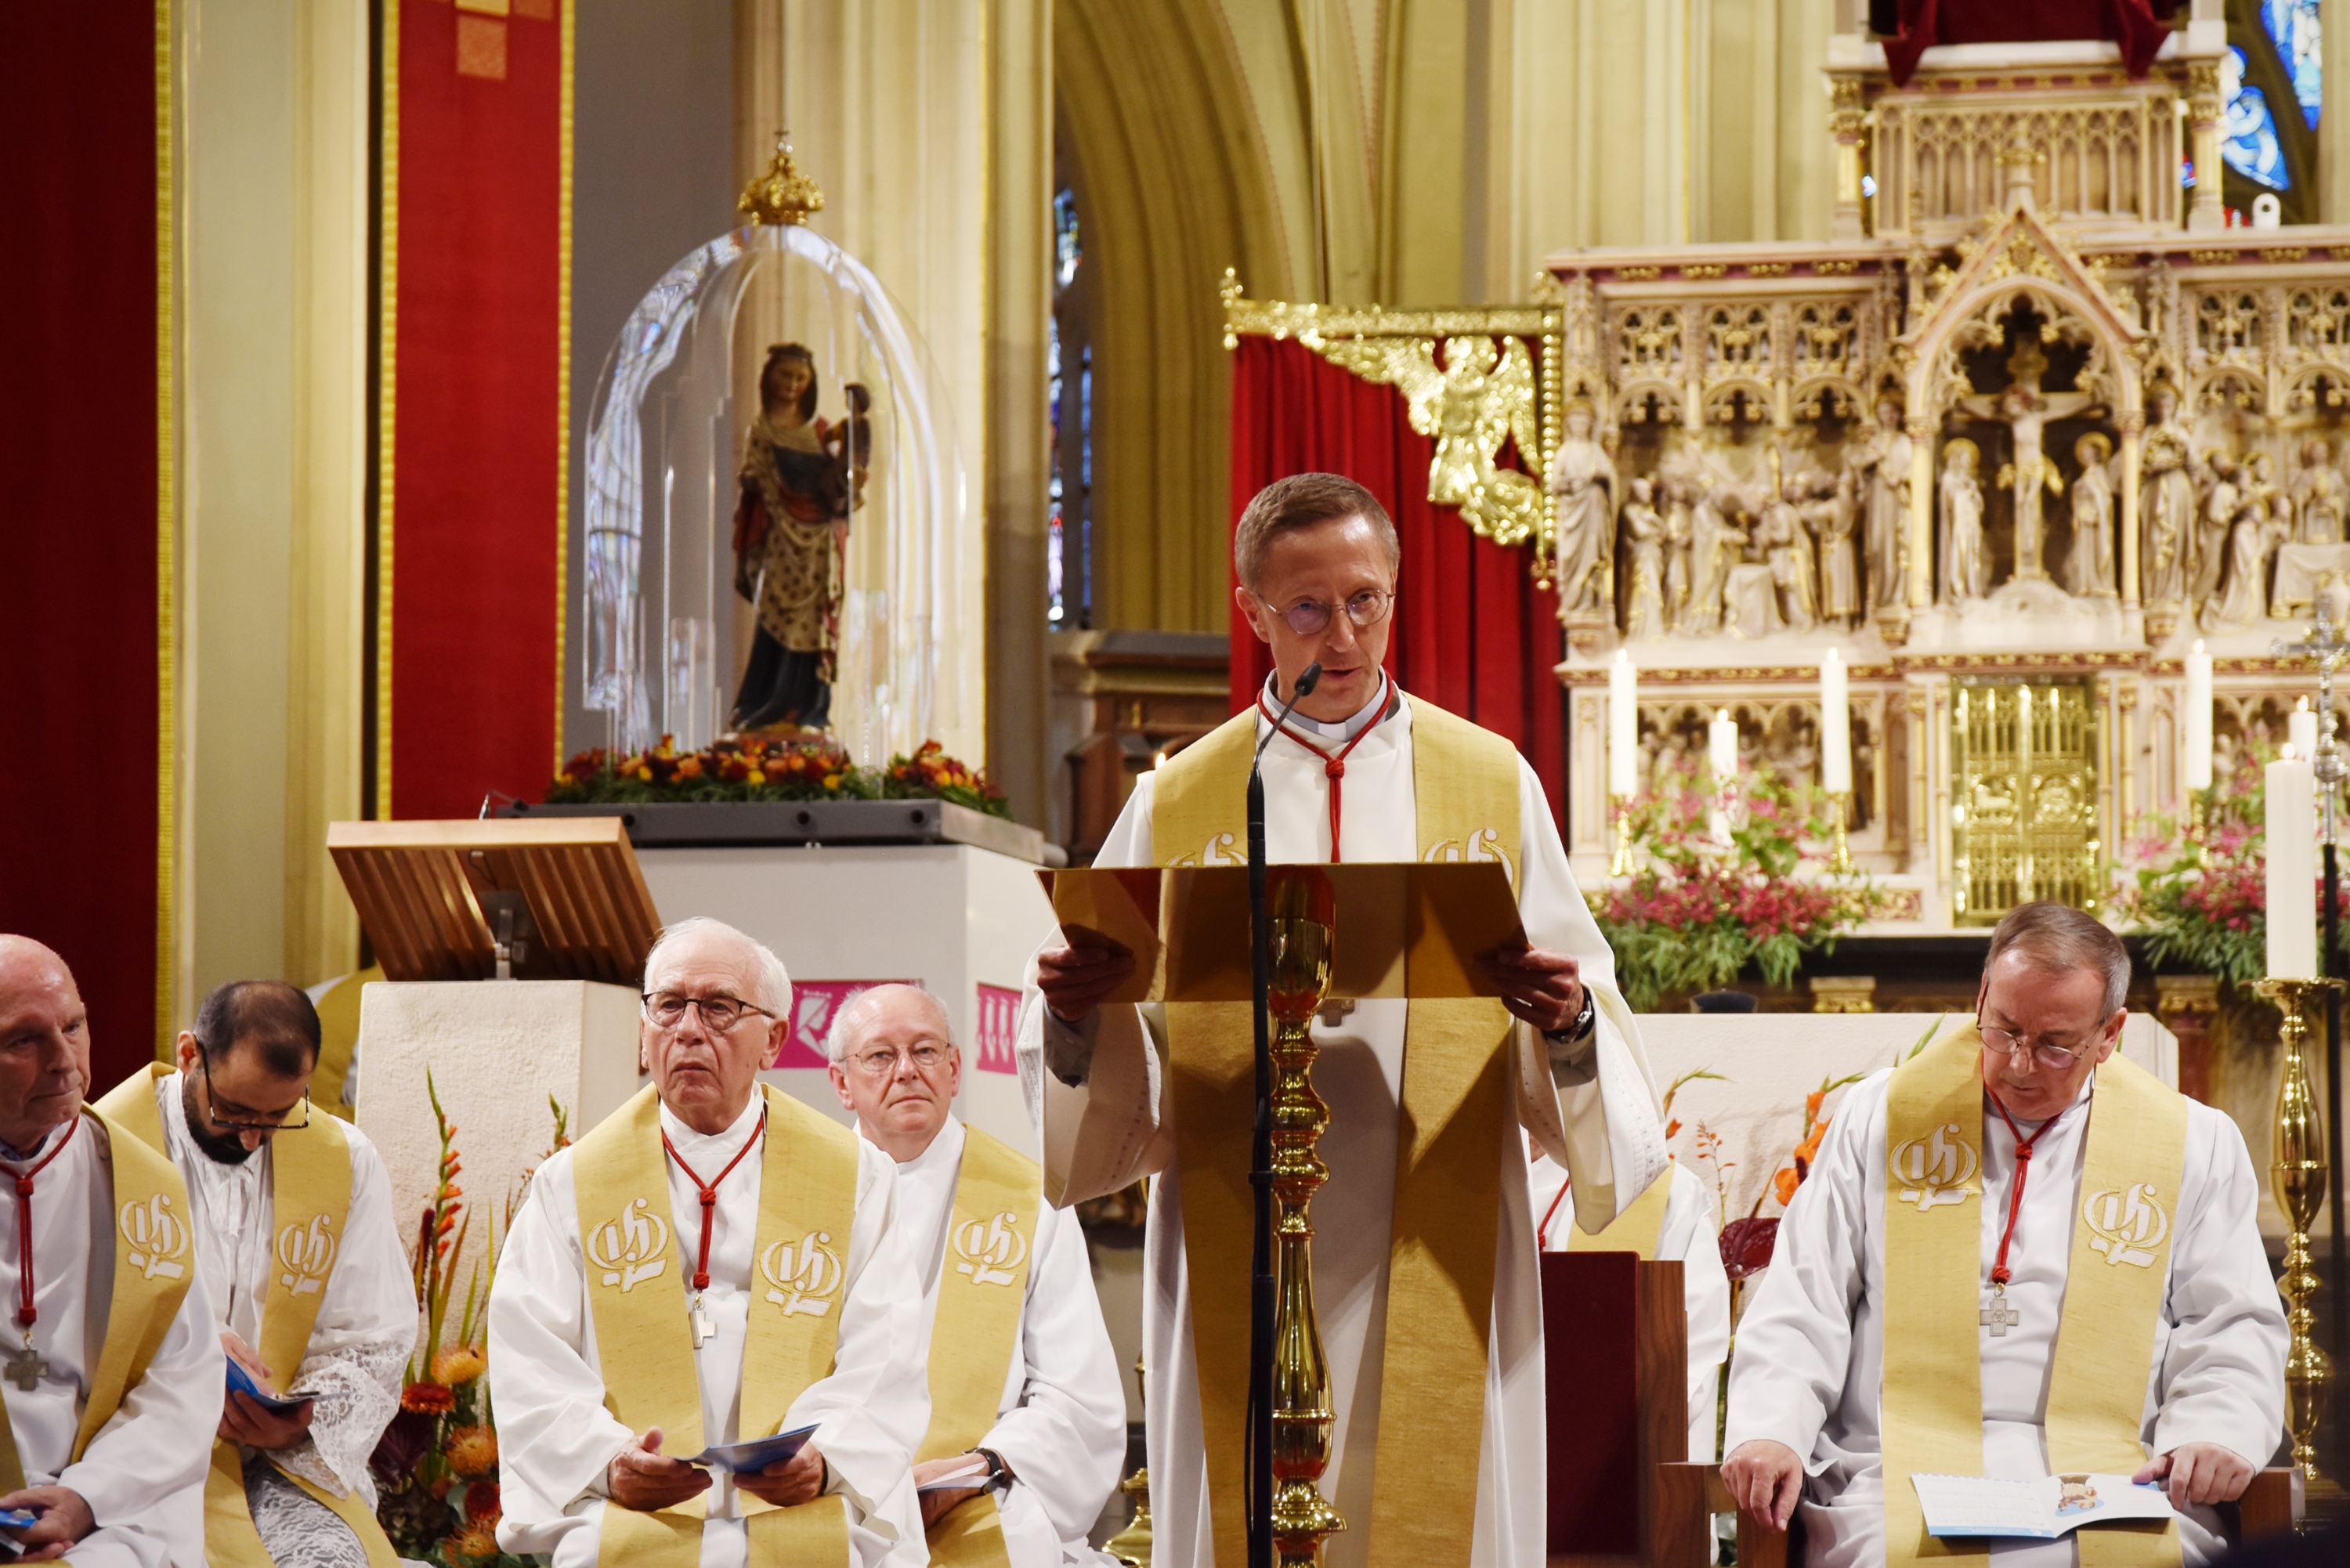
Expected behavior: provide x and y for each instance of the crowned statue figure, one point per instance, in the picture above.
(802, 477)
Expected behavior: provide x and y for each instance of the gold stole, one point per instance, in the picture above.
(1456, 1103)
(1932, 1414)
(1634, 1230)
(992, 1236)
(636, 1284)
(310, 1195)
(153, 1266)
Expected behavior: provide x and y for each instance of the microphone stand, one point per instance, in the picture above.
(1261, 1299)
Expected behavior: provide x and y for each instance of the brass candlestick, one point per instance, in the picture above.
(1302, 909)
(1131, 1546)
(2297, 1174)
(1621, 866)
(1841, 863)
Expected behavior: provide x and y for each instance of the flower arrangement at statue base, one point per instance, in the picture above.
(436, 1465)
(807, 766)
(1708, 906)
(2198, 893)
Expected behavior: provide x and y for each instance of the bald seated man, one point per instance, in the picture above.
(715, 1263)
(1025, 1390)
(108, 1452)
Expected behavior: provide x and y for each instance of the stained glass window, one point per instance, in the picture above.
(1069, 393)
(2293, 25)
(2249, 135)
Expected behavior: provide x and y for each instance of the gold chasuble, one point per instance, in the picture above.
(1637, 1228)
(153, 1266)
(982, 1288)
(644, 1343)
(310, 1194)
(1931, 1407)
(1456, 1103)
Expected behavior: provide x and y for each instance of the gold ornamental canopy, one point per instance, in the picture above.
(782, 195)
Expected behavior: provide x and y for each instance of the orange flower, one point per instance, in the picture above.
(428, 1398)
(477, 1543)
(458, 1364)
(473, 1451)
(1784, 1186)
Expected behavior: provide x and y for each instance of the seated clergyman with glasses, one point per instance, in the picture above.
(715, 1263)
(2018, 1255)
(290, 1214)
(1027, 1417)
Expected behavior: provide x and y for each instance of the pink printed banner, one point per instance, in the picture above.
(814, 1003)
(999, 1029)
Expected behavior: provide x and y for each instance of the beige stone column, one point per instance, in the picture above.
(2133, 424)
(1920, 431)
(1848, 124)
(2209, 211)
(2334, 129)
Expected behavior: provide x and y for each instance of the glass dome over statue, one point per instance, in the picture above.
(773, 494)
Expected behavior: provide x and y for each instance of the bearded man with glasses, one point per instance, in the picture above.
(1424, 1257)
(292, 1230)
(2017, 1255)
(715, 1263)
(1027, 1416)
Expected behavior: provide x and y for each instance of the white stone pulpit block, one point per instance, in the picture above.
(1771, 1060)
(495, 1049)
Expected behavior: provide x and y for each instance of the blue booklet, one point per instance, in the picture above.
(16, 1518)
(750, 1457)
(2040, 1510)
(240, 1381)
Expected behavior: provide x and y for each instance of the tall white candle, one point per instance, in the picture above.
(2196, 723)
(1722, 747)
(1836, 726)
(2301, 729)
(1623, 728)
(2291, 837)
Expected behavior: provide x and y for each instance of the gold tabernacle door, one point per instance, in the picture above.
(1403, 927)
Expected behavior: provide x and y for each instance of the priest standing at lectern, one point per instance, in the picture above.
(714, 1263)
(1424, 1258)
(2017, 1254)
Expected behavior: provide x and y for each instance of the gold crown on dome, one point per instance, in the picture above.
(782, 194)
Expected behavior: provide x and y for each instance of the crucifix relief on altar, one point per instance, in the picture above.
(2026, 410)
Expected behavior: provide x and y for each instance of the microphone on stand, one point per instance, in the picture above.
(1261, 1282)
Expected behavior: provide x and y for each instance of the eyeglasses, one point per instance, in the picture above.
(880, 1061)
(1308, 617)
(720, 1013)
(244, 1119)
(2007, 1042)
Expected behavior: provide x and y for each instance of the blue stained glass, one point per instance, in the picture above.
(2248, 137)
(1068, 249)
(2294, 27)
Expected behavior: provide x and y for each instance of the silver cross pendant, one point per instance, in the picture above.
(1997, 1315)
(25, 1368)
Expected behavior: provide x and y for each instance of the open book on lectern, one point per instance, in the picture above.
(1402, 928)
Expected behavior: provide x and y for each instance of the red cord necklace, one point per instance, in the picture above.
(1334, 764)
(27, 1366)
(1542, 1231)
(1996, 1314)
(709, 1192)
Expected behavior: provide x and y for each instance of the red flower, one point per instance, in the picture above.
(480, 1500)
(428, 1398)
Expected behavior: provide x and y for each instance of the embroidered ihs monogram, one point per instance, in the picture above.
(1937, 1168)
(2127, 1223)
(991, 1250)
(631, 1248)
(802, 1278)
(306, 1254)
(157, 1237)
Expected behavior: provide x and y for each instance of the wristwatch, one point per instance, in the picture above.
(1581, 1027)
(997, 1471)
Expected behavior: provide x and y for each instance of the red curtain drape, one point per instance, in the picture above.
(84, 848)
(2139, 27)
(472, 535)
(1472, 632)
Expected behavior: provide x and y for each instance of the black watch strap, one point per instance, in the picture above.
(996, 1468)
(1581, 1027)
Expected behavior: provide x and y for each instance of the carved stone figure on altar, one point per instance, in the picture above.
(800, 481)
(1716, 545)
(1673, 497)
(1582, 484)
(1965, 556)
(2166, 503)
(2261, 525)
(2222, 494)
(1787, 545)
(1644, 543)
(1880, 465)
(1835, 517)
(2089, 563)
(2026, 410)
(2318, 493)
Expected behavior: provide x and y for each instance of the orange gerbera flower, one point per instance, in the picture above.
(428, 1398)
(472, 1451)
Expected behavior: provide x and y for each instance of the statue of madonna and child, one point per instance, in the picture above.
(802, 478)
